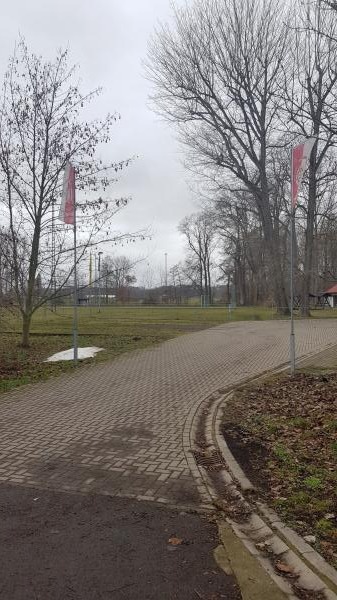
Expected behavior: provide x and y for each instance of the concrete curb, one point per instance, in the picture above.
(256, 580)
(189, 433)
(231, 485)
(265, 537)
(232, 464)
(293, 539)
(266, 528)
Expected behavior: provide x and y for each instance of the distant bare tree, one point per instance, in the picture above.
(117, 274)
(199, 231)
(176, 281)
(245, 262)
(245, 252)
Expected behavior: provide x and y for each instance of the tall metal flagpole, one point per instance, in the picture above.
(166, 272)
(99, 281)
(292, 328)
(300, 156)
(75, 317)
(68, 215)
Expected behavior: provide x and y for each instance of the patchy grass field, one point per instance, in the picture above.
(117, 329)
(284, 434)
(114, 317)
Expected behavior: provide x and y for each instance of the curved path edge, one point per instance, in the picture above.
(260, 529)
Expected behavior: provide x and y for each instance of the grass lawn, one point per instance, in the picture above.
(91, 321)
(117, 329)
(284, 434)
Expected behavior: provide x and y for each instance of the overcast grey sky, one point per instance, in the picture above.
(108, 39)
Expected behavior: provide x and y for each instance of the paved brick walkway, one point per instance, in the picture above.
(117, 428)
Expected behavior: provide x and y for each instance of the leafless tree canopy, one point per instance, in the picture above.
(243, 81)
(199, 232)
(117, 274)
(218, 76)
(41, 129)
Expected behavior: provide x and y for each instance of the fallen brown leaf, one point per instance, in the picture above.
(175, 541)
(284, 568)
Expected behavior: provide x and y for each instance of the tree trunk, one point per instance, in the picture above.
(270, 230)
(277, 279)
(26, 321)
(29, 294)
(276, 276)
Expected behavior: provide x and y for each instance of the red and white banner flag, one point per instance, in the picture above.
(67, 208)
(299, 162)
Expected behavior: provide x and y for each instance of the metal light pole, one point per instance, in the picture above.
(53, 255)
(95, 279)
(166, 270)
(68, 215)
(99, 281)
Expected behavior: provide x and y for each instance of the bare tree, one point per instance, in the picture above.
(217, 75)
(176, 282)
(40, 131)
(117, 274)
(330, 4)
(312, 111)
(244, 262)
(199, 231)
(6, 272)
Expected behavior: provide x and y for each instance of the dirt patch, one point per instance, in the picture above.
(88, 547)
(284, 435)
(249, 453)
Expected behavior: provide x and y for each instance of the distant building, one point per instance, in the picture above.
(331, 296)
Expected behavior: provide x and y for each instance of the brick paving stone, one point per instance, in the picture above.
(117, 428)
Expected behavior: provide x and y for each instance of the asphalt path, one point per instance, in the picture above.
(59, 546)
